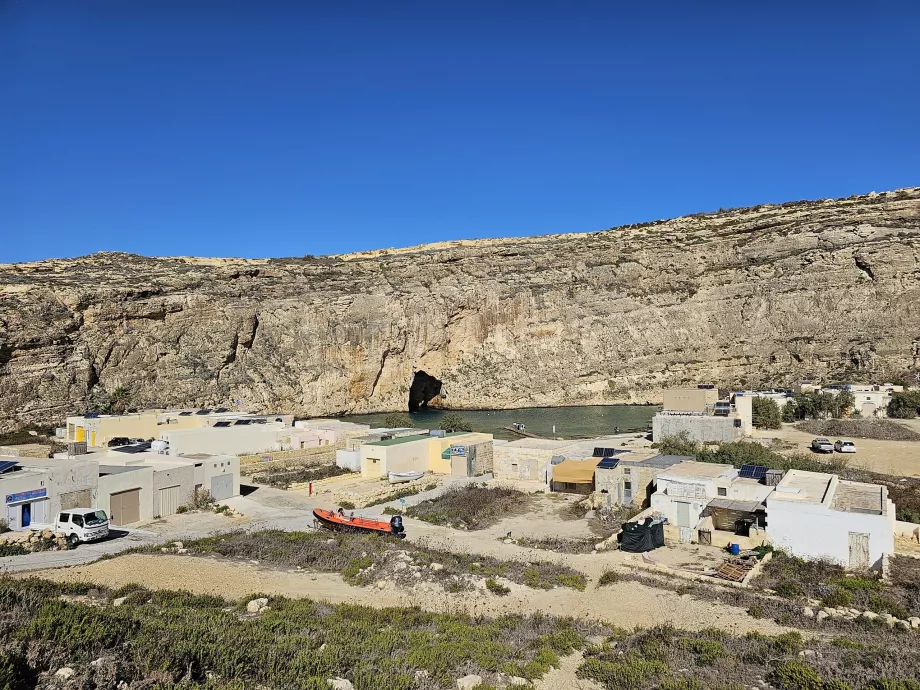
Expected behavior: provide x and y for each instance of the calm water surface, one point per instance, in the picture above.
(570, 422)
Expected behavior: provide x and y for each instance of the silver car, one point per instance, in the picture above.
(845, 446)
(822, 445)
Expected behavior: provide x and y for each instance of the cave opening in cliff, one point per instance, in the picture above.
(423, 390)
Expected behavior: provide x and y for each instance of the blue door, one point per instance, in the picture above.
(26, 514)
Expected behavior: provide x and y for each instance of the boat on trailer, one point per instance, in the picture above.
(342, 523)
(402, 477)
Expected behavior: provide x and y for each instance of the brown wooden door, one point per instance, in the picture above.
(125, 507)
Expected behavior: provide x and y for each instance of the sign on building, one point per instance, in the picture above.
(458, 450)
(26, 495)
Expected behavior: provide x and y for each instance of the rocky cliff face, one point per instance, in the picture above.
(762, 296)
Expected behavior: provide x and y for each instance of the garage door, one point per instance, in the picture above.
(169, 501)
(222, 487)
(125, 507)
(77, 499)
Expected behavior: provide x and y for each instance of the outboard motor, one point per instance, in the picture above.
(396, 526)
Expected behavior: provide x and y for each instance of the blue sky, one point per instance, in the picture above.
(290, 128)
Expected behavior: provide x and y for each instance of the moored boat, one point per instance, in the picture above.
(343, 523)
(402, 477)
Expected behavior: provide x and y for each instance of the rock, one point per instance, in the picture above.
(807, 653)
(507, 541)
(65, 673)
(829, 611)
(178, 544)
(340, 684)
(821, 615)
(402, 565)
(256, 605)
(436, 566)
(808, 612)
(469, 682)
(914, 622)
(904, 625)
(869, 615)
(181, 550)
(517, 680)
(119, 601)
(381, 584)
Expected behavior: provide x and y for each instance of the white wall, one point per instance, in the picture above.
(215, 466)
(667, 506)
(813, 531)
(234, 440)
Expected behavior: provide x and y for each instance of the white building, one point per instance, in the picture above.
(870, 400)
(34, 490)
(819, 516)
(233, 439)
(686, 489)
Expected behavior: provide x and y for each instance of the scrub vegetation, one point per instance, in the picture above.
(283, 479)
(664, 658)
(178, 640)
(471, 507)
(877, 429)
(405, 492)
(365, 559)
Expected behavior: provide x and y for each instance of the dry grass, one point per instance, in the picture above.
(471, 507)
(283, 479)
(877, 429)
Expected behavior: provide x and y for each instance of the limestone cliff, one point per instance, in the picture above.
(766, 295)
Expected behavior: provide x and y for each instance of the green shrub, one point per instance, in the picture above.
(626, 673)
(13, 550)
(610, 577)
(890, 684)
(835, 685)
(788, 590)
(452, 422)
(787, 643)
(497, 587)
(837, 597)
(390, 510)
(681, 684)
(707, 652)
(346, 505)
(795, 675)
(756, 611)
(181, 509)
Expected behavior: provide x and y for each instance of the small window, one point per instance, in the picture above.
(723, 491)
(77, 520)
(627, 486)
(64, 517)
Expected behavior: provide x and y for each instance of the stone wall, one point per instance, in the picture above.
(700, 428)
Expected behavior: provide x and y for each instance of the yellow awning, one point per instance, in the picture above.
(575, 471)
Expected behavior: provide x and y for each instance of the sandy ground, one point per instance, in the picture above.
(626, 605)
(900, 458)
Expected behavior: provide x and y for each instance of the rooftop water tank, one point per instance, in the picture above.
(159, 446)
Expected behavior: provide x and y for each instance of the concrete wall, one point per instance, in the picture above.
(813, 531)
(667, 506)
(412, 456)
(613, 482)
(689, 399)
(700, 427)
(140, 478)
(234, 440)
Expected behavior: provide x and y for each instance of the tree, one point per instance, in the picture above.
(844, 401)
(904, 405)
(119, 399)
(397, 421)
(453, 422)
(765, 414)
(679, 444)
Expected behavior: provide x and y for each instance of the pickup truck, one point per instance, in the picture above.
(79, 525)
(822, 445)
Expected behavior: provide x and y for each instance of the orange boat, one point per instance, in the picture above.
(342, 523)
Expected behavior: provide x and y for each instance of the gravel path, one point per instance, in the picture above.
(624, 605)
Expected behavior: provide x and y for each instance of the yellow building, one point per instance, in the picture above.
(459, 453)
(98, 429)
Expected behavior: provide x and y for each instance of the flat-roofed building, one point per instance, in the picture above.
(815, 515)
(34, 490)
(459, 453)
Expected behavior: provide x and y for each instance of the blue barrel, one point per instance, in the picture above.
(735, 549)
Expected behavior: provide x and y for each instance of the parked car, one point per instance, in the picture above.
(822, 445)
(845, 446)
(80, 525)
(119, 441)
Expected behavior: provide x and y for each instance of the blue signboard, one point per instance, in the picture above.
(26, 495)
(458, 450)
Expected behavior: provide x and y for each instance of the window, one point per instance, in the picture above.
(722, 491)
(64, 517)
(77, 520)
(627, 486)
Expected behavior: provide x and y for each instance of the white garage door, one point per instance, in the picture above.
(169, 501)
(222, 487)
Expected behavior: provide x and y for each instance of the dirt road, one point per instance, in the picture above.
(901, 458)
(625, 605)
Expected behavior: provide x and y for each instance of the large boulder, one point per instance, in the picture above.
(469, 682)
(256, 605)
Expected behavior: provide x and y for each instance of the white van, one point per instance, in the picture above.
(81, 524)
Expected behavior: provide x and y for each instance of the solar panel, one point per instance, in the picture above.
(7, 465)
(136, 448)
(605, 452)
(242, 422)
(221, 409)
(91, 415)
(608, 463)
(203, 412)
(185, 414)
(752, 472)
(222, 424)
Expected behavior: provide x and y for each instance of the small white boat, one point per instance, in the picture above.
(402, 477)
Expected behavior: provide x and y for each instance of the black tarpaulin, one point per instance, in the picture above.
(639, 537)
